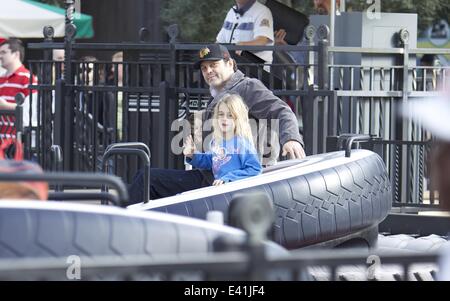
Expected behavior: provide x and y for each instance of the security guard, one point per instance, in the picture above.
(249, 23)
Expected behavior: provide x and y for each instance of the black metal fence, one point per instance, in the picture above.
(255, 265)
(84, 105)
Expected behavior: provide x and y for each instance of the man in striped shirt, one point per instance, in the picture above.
(16, 79)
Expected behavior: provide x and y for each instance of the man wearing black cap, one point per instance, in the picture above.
(220, 73)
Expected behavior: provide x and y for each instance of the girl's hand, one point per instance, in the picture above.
(189, 147)
(217, 182)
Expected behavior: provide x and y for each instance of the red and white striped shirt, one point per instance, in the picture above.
(15, 83)
(10, 85)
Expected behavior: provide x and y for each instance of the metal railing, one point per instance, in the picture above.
(235, 266)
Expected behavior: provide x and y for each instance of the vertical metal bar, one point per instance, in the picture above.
(47, 105)
(424, 79)
(323, 65)
(310, 122)
(339, 101)
(352, 112)
(332, 27)
(333, 116)
(310, 63)
(421, 173)
(406, 189)
(371, 102)
(68, 99)
(360, 102)
(382, 105)
(392, 124)
(161, 133)
(59, 92)
(95, 121)
(172, 107)
(396, 179)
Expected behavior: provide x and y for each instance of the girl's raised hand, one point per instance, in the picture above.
(189, 147)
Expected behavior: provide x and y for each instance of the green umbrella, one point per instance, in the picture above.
(83, 22)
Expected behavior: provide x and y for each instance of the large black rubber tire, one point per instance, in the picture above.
(315, 207)
(49, 229)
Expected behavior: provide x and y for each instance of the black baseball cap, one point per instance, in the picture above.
(212, 52)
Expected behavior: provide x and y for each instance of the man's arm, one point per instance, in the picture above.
(280, 36)
(5, 105)
(263, 104)
(264, 26)
(259, 41)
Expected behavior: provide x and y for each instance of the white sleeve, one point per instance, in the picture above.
(26, 110)
(264, 25)
(221, 36)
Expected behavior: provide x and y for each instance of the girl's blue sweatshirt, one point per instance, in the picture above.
(233, 160)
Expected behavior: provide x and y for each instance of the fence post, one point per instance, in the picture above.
(171, 96)
(323, 81)
(323, 56)
(407, 153)
(254, 213)
(68, 107)
(159, 134)
(60, 92)
(45, 101)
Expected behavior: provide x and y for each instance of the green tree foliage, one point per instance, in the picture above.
(427, 11)
(198, 20)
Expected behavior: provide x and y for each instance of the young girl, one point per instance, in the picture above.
(232, 155)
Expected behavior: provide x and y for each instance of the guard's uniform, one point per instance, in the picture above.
(256, 21)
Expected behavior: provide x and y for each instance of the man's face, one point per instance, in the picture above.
(217, 73)
(322, 7)
(7, 57)
(58, 56)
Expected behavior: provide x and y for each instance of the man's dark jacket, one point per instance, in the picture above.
(262, 104)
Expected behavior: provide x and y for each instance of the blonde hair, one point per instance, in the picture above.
(239, 111)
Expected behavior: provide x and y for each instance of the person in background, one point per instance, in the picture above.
(117, 80)
(248, 23)
(321, 7)
(20, 190)
(16, 79)
(220, 72)
(2, 70)
(58, 63)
